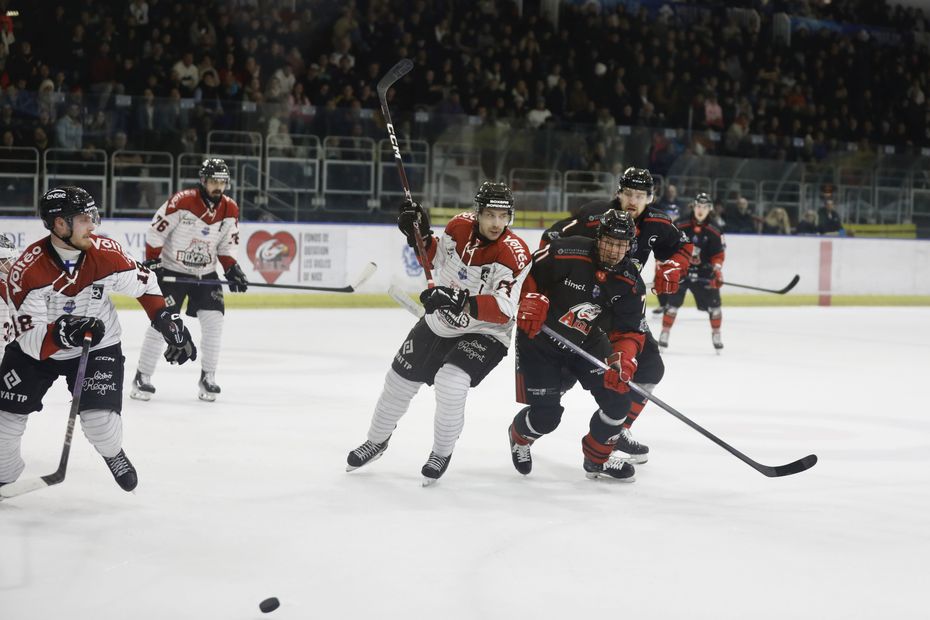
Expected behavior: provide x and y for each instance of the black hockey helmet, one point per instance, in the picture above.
(704, 199)
(617, 224)
(214, 168)
(638, 179)
(494, 195)
(66, 202)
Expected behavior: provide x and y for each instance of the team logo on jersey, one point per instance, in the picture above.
(463, 273)
(197, 255)
(11, 379)
(205, 231)
(69, 306)
(596, 291)
(411, 265)
(581, 317)
(271, 255)
(96, 291)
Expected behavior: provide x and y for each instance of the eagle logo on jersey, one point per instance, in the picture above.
(271, 255)
(411, 265)
(581, 317)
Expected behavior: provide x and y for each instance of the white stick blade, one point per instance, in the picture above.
(21, 487)
(367, 272)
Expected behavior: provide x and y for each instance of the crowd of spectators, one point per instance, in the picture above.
(311, 67)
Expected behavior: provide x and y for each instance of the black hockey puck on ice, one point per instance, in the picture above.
(269, 605)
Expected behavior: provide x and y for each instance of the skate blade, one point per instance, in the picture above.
(372, 460)
(207, 397)
(593, 475)
(140, 395)
(428, 482)
(632, 459)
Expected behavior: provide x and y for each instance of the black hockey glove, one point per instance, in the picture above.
(412, 217)
(69, 330)
(180, 346)
(444, 298)
(236, 279)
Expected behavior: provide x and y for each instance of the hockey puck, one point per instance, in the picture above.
(269, 605)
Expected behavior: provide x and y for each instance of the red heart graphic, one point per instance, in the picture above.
(271, 255)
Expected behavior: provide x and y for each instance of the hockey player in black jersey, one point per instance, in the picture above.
(656, 234)
(590, 292)
(705, 274)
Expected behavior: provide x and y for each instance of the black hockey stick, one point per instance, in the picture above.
(366, 273)
(398, 71)
(780, 291)
(21, 487)
(772, 472)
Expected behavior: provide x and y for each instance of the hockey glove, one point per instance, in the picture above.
(412, 217)
(180, 346)
(69, 330)
(444, 298)
(668, 274)
(716, 278)
(622, 368)
(236, 280)
(532, 313)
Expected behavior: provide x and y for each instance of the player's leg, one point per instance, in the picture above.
(606, 423)
(101, 405)
(673, 303)
(649, 373)
(208, 305)
(715, 312)
(414, 363)
(539, 382)
(25, 381)
(153, 343)
(465, 365)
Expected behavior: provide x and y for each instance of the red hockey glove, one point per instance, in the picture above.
(532, 313)
(668, 274)
(716, 278)
(622, 368)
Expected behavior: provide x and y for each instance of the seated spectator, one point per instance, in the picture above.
(538, 115)
(808, 223)
(741, 221)
(829, 219)
(670, 203)
(776, 222)
(69, 130)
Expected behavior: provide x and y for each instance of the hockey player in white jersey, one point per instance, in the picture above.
(480, 265)
(8, 254)
(190, 233)
(58, 293)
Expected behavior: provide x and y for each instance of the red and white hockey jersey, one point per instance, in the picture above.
(40, 289)
(492, 272)
(190, 238)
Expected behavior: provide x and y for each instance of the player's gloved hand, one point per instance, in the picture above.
(68, 331)
(716, 278)
(180, 345)
(444, 298)
(236, 280)
(413, 217)
(622, 368)
(155, 266)
(668, 274)
(532, 313)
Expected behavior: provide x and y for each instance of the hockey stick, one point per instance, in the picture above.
(21, 487)
(366, 273)
(398, 71)
(780, 291)
(772, 472)
(405, 302)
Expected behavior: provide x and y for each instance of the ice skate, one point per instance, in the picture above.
(520, 453)
(434, 468)
(630, 450)
(658, 310)
(663, 339)
(123, 471)
(365, 454)
(717, 340)
(208, 387)
(142, 388)
(612, 469)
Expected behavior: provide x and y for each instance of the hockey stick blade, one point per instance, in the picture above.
(398, 71)
(368, 271)
(772, 472)
(403, 300)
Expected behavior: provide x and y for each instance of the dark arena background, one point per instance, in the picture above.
(804, 127)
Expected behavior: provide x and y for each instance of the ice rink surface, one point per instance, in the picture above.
(248, 497)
